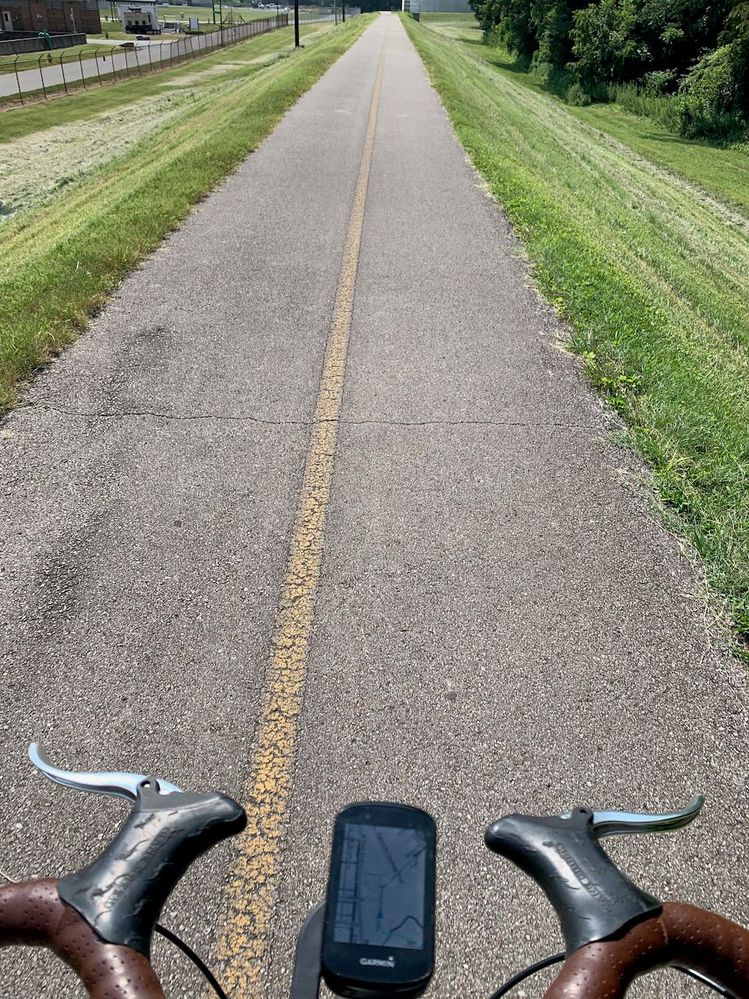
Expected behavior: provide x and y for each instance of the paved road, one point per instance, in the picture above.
(500, 623)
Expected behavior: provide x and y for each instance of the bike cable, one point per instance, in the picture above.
(547, 962)
(196, 960)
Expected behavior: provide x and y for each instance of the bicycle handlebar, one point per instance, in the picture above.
(680, 935)
(33, 914)
(121, 894)
(100, 919)
(615, 932)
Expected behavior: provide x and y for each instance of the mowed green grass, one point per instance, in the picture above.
(242, 58)
(59, 263)
(652, 274)
(719, 170)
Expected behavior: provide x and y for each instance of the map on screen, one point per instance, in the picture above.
(381, 887)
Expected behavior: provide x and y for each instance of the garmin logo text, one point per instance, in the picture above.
(376, 962)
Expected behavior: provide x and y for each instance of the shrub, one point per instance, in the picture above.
(710, 98)
(663, 109)
(659, 82)
(578, 97)
(736, 35)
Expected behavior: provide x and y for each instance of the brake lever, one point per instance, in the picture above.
(591, 896)
(114, 783)
(629, 823)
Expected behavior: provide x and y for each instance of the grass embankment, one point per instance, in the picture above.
(268, 44)
(719, 169)
(58, 263)
(652, 275)
(50, 146)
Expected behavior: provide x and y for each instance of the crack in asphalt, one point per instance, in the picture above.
(246, 418)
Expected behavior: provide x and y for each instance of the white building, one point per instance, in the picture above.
(139, 18)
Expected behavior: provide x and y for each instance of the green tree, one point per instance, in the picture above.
(510, 22)
(605, 43)
(736, 35)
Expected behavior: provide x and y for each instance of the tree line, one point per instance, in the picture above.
(694, 53)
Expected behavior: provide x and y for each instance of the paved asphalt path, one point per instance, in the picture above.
(502, 624)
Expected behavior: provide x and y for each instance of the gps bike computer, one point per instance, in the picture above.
(378, 937)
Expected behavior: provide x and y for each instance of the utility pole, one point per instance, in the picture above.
(296, 24)
(343, 9)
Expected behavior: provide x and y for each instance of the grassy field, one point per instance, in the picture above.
(107, 74)
(112, 32)
(650, 270)
(226, 65)
(59, 261)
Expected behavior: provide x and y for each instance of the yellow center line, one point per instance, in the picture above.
(243, 943)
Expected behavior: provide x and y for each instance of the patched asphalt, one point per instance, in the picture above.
(502, 623)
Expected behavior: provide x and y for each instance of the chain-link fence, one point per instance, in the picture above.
(309, 14)
(94, 65)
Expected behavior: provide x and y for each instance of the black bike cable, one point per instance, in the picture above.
(558, 958)
(704, 980)
(532, 969)
(197, 961)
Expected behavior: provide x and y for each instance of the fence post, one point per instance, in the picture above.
(150, 60)
(96, 60)
(80, 63)
(18, 78)
(62, 70)
(41, 74)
